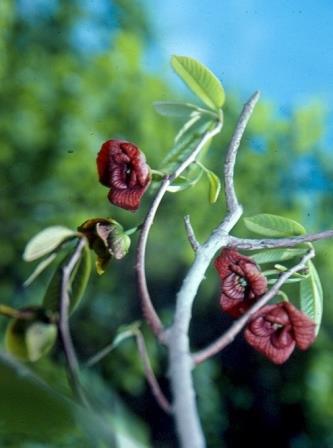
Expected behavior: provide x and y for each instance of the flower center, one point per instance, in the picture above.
(242, 282)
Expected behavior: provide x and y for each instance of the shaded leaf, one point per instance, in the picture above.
(39, 269)
(47, 241)
(273, 225)
(29, 408)
(79, 281)
(312, 296)
(214, 183)
(123, 333)
(200, 80)
(275, 255)
(40, 338)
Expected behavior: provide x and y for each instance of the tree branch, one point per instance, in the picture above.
(180, 359)
(150, 376)
(190, 233)
(240, 323)
(148, 309)
(63, 324)
(229, 165)
(265, 243)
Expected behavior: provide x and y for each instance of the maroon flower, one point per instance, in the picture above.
(242, 281)
(275, 330)
(122, 167)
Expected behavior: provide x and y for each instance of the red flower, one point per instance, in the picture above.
(122, 167)
(242, 281)
(275, 330)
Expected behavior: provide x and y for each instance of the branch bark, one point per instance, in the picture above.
(240, 323)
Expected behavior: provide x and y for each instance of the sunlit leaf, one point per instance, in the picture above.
(275, 255)
(178, 109)
(200, 80)
(79, 281)
(47, 241)
(183, 183)
(273, 225)
(312, 296)
(39, 269)
(186, 145)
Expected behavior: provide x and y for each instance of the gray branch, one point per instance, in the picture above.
(180, 359)
(237, 327)
(190, 233)
(271, 243)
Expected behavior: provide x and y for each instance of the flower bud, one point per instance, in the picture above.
(107, 239)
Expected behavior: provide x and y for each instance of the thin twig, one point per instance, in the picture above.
(149, 373)
(150, 376)
(265, 243)
(63, 324)
(148, 309)
(229, 165)
(190, 233)
(236, 328)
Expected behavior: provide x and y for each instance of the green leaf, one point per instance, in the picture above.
(40, 338)
(186, 144)
(200, 80)
(32, 411)
(214, 183)
(124, 332)
(79, 281)
(177, 109)
(312, 296)
(39, 269)
(275, 255)
(273, 225)
(183, 183)
(46, 241)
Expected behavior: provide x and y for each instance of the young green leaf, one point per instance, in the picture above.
(273, 225)
(214, 183)
(47, 241)
(312, 296)
(79, 281)
(183, 183)
(276, 255)
(186, 144)
(179, 109)
(39, 269)
(200, 80)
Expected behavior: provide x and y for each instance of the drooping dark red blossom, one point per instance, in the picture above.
(242, 281)
(275, 331)
(122, 167)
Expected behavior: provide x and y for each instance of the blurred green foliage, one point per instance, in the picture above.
(72, 76)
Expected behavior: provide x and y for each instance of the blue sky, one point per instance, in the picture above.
(282, 47)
